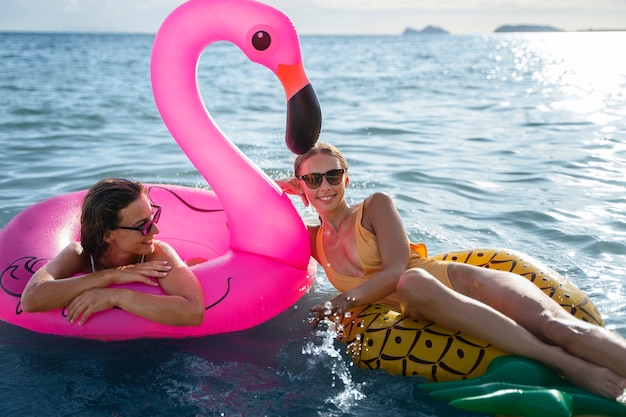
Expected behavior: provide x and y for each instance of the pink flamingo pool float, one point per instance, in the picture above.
(253, 239)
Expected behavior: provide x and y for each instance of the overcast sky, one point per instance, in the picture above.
(324, 16)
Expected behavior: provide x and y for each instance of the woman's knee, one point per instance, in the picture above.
(415, 289)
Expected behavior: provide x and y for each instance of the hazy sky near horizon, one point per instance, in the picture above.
(324, 16)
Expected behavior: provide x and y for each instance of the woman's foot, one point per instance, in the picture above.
(600, 381)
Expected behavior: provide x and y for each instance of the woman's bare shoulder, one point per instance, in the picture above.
(162, 250)
(378, 203)
(379, 210)
(69, 261)
(73, 250)
(313, 230)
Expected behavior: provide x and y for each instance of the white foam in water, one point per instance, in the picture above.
(327, 352)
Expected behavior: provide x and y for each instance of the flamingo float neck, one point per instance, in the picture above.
(261, 218)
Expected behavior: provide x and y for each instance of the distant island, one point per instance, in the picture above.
(427, 30)
(430, 29)
(526, 28)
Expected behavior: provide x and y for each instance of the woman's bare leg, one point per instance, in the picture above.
(521, 300)
(423, 297)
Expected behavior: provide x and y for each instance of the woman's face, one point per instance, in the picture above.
(135, 215)
(327, 196)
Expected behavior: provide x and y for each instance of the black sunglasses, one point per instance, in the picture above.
(147, 226)
(314, 180)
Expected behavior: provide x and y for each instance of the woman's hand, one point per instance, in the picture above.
(88, 303)
(331, 309)
(292, 186)
(321, 312)
(99, 299)
(141, 272)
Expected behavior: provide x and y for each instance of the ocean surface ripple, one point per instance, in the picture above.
(500, 140)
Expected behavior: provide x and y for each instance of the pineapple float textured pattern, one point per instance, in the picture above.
(380, 338)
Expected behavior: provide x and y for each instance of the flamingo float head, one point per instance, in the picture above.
(265, 35)
(251, 200)
(275, 45)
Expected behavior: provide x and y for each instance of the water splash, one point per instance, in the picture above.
(323, 353)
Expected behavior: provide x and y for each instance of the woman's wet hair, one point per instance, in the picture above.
(101, 211)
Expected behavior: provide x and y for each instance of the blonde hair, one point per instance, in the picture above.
(319, 148)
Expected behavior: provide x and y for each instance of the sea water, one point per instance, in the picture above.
(485, 140)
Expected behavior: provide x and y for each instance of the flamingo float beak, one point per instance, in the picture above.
(304, 117)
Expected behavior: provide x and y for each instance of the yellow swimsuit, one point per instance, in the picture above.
(369, 256)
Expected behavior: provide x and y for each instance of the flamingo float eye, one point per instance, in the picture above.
(261, 40)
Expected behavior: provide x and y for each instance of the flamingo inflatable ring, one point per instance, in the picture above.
(255, 269)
